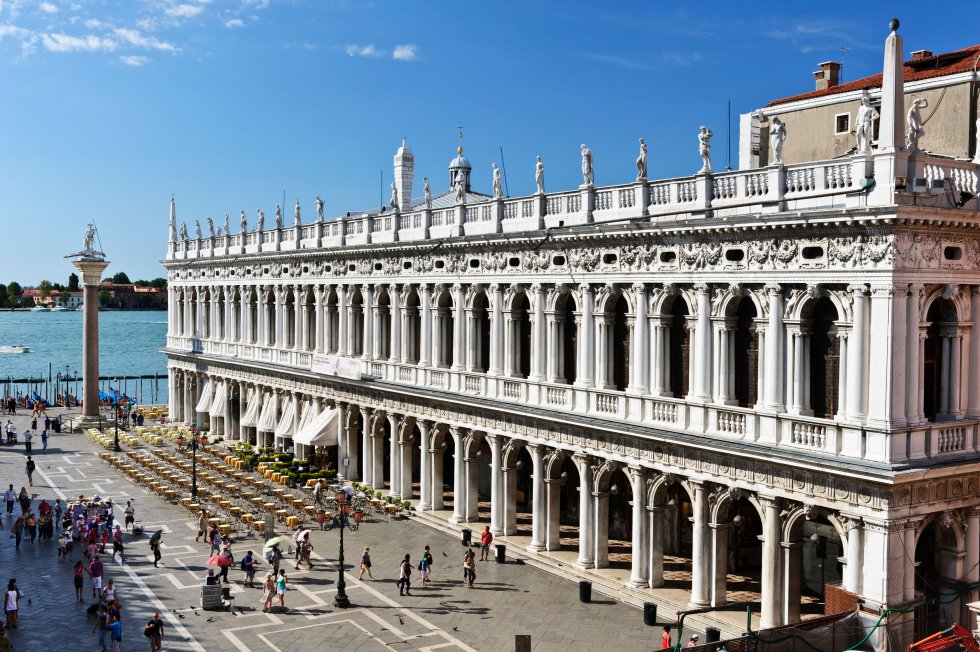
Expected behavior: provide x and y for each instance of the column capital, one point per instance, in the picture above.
(585, 288)
(702, 288)
(773, 288)
(858, 289)
(769, 502)
(850, 522)
(639, 287)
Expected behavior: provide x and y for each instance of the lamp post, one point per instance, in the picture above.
(342, 601)
(193, 463)
(115, 416)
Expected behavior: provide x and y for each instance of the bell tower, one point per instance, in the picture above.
(404, 175)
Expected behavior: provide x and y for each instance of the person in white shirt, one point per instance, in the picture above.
(10, 497)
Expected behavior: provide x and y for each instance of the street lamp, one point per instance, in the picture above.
(115, 416)
(342, 601)
(193, 463)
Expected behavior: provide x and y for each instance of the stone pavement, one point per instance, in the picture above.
(512, 598)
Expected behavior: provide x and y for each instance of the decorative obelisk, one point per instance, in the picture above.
(90, 263)
(891, 159)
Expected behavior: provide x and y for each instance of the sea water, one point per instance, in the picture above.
(129, 345)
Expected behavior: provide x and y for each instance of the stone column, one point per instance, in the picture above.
(367, 447)
(792, 579)
(603, 371)
(586, 339)
(318, 346)
(771, 563)
(425, 465)
(378, 459)
(639, 570)
(343, 441)
(656, 563)
(497, 497)
(552, 521)
(459, 329)
(600, 530)
(90, 269)
(719, 563)
(367, 301)
(700, 547)
(774, 351)
(278, 338)
(299, 318)
(955, 373)
(394, 481)
(509, 503)
(471, 503)
(509, 350)
(913, 390)
(538, 330)
(856, 353)
(459, 479)
(537, 496)
(395, 310)
(405, 463)
(702, 353)
(497, 350)
(852, 569)
(425, 345)
(586, 558)
(436, 465)
(639, 382)
(342, 320)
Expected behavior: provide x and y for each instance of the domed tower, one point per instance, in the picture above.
(404, 175)
(460, 164)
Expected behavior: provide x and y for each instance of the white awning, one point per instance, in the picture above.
(251, 410)
(219, 404)
(285, 427)
(321, 431)
(310, 411)
(204, 402)
(267, 418)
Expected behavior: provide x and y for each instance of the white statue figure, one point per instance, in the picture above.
(777, 136)
(498, 192)
(319, 208)
(296, 217)
(426, 193)
(914, 120)
(459, 188)
(278, 216)
(243, 221)
(183, 231)
(210, 227)
(863, 131)
(197, 228)
(641, 162)
(88, 244)
(704, 149)
(394, 196)
(588, 171)
(539, 176)
(261, 223)
(227, 226)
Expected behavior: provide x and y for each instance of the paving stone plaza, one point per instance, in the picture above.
(508, 599)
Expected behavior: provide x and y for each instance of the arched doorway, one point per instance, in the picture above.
(940, 361)
(444, 328)
(678, 352)
(746, 354)
(518, 360)
(413, 328)
(382, 321)
(824, 358)
(564, 352)
(479, 333)
(615, 340)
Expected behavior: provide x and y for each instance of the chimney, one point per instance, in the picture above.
(919, 55)
(828, 76)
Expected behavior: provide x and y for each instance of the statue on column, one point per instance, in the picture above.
(261, 223)
(704, 149)
(915, 130)
(210, 227)
(863, 131)
(296, 217)
(393, 201)
(278, 216)
(498, 192)
(459, 187)
(197, 228)
(227, 225)
(88, 244)
(183, 231)
(641, 162)
(243, 221)
(777, 136)
(539, 176)
(588, 171)
(426, 193)
(319, 208)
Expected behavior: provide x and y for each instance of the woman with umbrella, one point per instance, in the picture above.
(222, 560)
(155, 547)
(274, 554)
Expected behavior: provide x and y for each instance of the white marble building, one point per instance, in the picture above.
(734, 369)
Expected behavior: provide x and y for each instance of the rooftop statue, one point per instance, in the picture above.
(319, 208)
(641, 162)
(394, 196)
(426, 193)
(278, 216)
(197, 228)
(183, 231)
(497, 190)
(210, 227)
(459, 186)
(243, 222)
(866, 116)
(588, 171)
(704, 149)
(296, 217)
(915, 130)
(777, 136)
(539, 176)
(261, 223)
(227, 226)
(88, 246)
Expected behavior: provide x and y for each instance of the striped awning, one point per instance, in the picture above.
(204, 403)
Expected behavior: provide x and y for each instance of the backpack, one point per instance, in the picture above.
(243, 562)
(270, 556)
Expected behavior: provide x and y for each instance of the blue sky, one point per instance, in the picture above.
(109, 106)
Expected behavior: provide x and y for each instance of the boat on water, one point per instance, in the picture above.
(39, 309)
(14, 348)
(60, 309)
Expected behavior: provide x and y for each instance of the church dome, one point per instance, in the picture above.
(460, 162)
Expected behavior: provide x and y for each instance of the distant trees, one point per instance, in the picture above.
(73, 282)
(120, 278)
(14, 291)
(44, 289)
(158, 283)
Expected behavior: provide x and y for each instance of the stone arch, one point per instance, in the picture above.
(657, 489)
(602, 474)
(472, 443)
(951, 293)
(801, 303)
(607, 296)
(511, 452)
(553, 463)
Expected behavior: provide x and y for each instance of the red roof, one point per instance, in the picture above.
(937, 65)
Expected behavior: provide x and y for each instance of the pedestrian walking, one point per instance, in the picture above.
(78, 576)
(268, 590)
(28, 436)
(95, 571)
(424, 567)
(281, 588)
(469, 569)
(405, 576)
(214, 538)
(305, 548)
(129, 515)
(25, 501)
(485, 540)
(57, 514)
(47, 422)
(202, 527)
(366, 564)
(109, 593)
(665, 643)
(248, 566)
(29, 469)
(117, 544)
(102, 626)
(155, 547)
(31, 523)
(427, 558)
(693, 642)
(274, 557)
(226, 552)
(154, 632)
(11, 604)
(44, 441)
(10, 497)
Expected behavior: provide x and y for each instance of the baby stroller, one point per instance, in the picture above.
(137, 528)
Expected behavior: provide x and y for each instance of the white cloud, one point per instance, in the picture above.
(67, 43)
(48, 8)
(256, 4)
(183, 11)
(138, 40)
(404, 52)
(363, 51)
(134, 60)
(93, 23)
(234, 22)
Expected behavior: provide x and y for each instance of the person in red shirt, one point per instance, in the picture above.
(485, 540)
(665, 639)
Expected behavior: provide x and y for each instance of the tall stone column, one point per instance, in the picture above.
(537, 498)
(342, 321)
(586, 339)
(459, 329)
(719, 563)
(656, 562)
(436, 460)
(852, 570)
(771, 566)
(318, 318)
(639, 381)
(425, 466)
(459, 479)
(395, 319)
(700, 546)
(405, 463)
(367, 335)
(640, 555)
(702, 354)
(367, 464)
(91, 268)
(496, 484)
(538, 330)
(394, 425)
(425, 344)
(856, 354)
(552, 523)
(497, 350)
(774, 351)
(586, 522)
